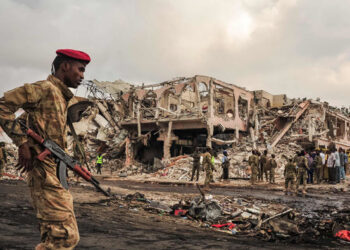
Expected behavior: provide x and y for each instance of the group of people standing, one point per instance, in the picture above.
(207, 160)
(260, 165)
(333, 168)
(304, 168)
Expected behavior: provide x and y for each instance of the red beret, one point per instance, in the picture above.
(75, 54)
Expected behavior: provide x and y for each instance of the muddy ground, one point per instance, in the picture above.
(105, 226)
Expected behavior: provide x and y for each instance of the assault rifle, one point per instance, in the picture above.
(63, 160)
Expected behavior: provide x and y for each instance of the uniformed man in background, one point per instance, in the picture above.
(265, 171)
(3, 158)
(273, 166)
(253, 162)
(208, 167)
(290, 175)
(303, 167)
(196, 164)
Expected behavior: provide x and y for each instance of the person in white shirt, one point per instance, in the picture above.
(331, 167)
(337, 166)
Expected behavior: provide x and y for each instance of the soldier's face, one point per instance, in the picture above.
(74, 74)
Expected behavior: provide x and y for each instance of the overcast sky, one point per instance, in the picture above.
(300, 48)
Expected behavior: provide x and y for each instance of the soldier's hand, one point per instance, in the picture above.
(25, 160)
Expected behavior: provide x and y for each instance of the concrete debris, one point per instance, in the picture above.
(148, 126)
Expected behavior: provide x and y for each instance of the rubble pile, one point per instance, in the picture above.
(251, 218)
(10, 172)
(267, 221)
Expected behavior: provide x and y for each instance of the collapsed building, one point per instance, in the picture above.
(171, 118)
(139, 124)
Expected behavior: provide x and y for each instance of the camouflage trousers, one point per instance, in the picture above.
(290, 184)
(302, 177)
(261, 173)
(254, 176)
(54, 208)
(272, 175)
(319, 174)
(208, 176)
(266, 172)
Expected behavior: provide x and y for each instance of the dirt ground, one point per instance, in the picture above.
(115, 226)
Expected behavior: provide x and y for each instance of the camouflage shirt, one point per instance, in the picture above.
(272, 163)
(303, 164)
(253, 161)
(45, 103)
(318, 161)
(290, 170)
(207, 161)
(263, 160)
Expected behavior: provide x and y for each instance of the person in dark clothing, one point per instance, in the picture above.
(225, 165)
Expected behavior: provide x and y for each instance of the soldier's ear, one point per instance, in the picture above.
(65, 66)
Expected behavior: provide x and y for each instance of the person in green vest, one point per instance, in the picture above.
(99, 162)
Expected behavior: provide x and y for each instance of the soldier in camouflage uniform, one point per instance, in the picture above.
(3, 158)
(46, 103)
(254, 164)
(208, 168)
(196, 164)
(303, 167)
(263, 163)
(290, 175)
(260, 170)
(273, 166)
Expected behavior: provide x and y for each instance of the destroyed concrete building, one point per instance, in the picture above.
(186, 112)
(138, 124)
(170, 118)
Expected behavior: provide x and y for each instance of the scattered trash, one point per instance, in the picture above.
(343, 234)
(230, 225)
(180, 212)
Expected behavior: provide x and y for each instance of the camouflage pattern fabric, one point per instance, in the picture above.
(46, 103)
(319, 169)
(54, 207)
(208, 168)
(302, 172)
(273, 166)
(254, 164)
(290, 174)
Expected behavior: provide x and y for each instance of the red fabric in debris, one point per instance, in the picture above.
(343, 234)
(230, 225)
(13, 176)
(180, 212)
